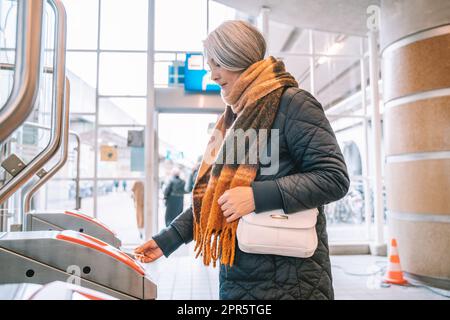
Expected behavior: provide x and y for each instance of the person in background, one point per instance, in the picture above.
(138, 197)
(174, 196)
(193, 176)
(116, 185)
(124, 185)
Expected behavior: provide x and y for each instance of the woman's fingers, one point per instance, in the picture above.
(149, 256)
(148, 252)
(228, 212)
(233, 217)
(146, 246)
(225, 206)
(145, 258)
(139, 250)
(223, 198)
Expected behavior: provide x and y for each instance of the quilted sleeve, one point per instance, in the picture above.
(312, 144)
(180, 231)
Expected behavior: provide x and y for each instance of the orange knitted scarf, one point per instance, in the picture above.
(254, 98)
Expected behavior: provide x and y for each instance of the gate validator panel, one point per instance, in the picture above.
(71, 220)
(56, 290)
(45, 256)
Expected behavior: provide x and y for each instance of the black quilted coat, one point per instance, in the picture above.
(311, 173)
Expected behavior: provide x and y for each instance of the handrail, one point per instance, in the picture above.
(8, 66)
(78, 161)
(28, 59)
(58, 97)
(61, 162)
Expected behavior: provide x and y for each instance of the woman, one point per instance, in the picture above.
(174, 196)
(260, 94)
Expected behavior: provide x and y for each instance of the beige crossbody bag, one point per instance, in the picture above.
(274, 232)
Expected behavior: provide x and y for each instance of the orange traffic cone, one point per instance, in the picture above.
(394, 274)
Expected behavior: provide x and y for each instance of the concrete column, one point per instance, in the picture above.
(415, 40)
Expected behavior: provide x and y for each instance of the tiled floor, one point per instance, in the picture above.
(183, 277)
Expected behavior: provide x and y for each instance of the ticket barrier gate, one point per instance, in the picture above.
(43, 256)
(71, 220)
(56, 290)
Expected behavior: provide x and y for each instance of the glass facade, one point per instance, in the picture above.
(108, 72)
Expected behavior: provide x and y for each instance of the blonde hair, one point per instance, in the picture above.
(235, 45)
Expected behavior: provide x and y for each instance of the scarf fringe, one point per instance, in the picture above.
(255, 99)
(217, 245)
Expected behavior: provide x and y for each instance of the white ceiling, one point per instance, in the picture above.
(339, 16)
(289, 21)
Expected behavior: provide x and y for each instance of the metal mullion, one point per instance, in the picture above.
(167, 61)
(106, 96)
(175, 51)
(82, 113)
(107, 50)
(94, 193)
(366, 163)
(207, 16)
(151, 165)
(121, 51)
(82, 50)
(100, 178)
(318, 54)
(121, 125)
(312, 62)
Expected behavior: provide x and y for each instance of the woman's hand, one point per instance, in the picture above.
(237, 202)
(148, 252)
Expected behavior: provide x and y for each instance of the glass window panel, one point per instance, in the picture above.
(180, 25)
(181, 147)
(82, 16)
(27, 142)
(347, 218)
(165, 56)
(219, 13)
(281, 36)
(299, 68)
(122, 111)
(116, 209)
(85, 127)
(162, 73)
(69, 170)
(123, 73)
(44, 107)
(84, 66)
(181, 57)
(336, 44)
(49, 30)
(337, 79)
(8, 24)
(59, 194)
(82, 73)
(6, 76)
(190, 128)
(124, 24)
(117, 158)
(301, 45)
